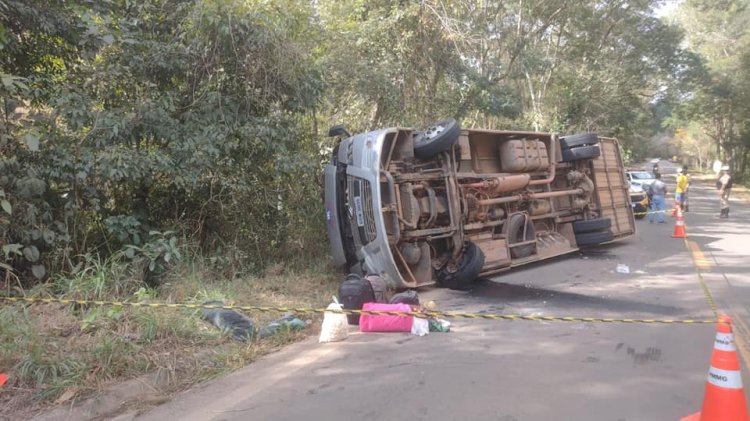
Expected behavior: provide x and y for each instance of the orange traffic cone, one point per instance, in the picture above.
(676, 210)
(724, 398)
(679, 226)
(3, 378)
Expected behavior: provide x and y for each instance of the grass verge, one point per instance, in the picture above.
(59, 354)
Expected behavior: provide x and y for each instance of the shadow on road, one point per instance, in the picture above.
(518, 294)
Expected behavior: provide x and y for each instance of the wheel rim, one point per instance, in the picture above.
(434, 131)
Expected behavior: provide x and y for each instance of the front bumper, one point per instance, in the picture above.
(639, 202)
(353, 196)
(333, 219)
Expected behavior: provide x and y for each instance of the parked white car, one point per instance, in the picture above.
(642, 179)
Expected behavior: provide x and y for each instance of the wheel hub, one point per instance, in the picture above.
(434, 131)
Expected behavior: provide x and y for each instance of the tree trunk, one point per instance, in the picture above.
(377, 113)
(315, 122)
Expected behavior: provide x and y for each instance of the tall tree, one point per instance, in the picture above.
(157, 115)
(718, 32)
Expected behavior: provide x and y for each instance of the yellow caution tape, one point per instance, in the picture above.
(424, 315)
(654, 212)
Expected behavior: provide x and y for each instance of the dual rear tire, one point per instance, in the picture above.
(579, 146)
(593, 232)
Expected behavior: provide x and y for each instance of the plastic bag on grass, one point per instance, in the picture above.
(287, 322)
(240, 326)
(335, 326)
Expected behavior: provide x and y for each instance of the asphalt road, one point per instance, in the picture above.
(524, 370)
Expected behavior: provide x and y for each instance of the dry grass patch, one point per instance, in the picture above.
(60, 354)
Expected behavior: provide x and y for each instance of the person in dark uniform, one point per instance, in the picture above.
(725, 188)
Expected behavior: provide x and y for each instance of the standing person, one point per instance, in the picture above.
(658, 192)
(725, 188)
(689, 182)
(681, 190)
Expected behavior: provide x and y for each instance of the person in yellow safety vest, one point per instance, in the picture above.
(682, 187)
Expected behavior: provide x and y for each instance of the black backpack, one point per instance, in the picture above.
(354, 292)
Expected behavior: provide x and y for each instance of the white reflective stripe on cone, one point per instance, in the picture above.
(725, 378)
(725, 342)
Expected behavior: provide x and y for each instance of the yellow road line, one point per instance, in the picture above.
(740, 332)
(698, 257)
(741, 329)
(702, 281)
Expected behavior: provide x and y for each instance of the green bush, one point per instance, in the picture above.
(125, 121)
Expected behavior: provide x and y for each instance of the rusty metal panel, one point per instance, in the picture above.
(464, 146)
(495, 250)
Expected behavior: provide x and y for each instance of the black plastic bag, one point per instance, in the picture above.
(241, 326)
(406, 297)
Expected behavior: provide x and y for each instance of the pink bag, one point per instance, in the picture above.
(384, 322)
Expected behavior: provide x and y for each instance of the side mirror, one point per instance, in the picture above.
(338, 130)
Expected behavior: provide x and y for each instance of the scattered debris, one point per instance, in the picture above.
(623, 268)
(385, 322)
(335, 325)
(286, 323)
(439, 325)
(420, 326)
(241, 326)
(406, 297)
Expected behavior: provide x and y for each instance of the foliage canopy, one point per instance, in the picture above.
(129, 125)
